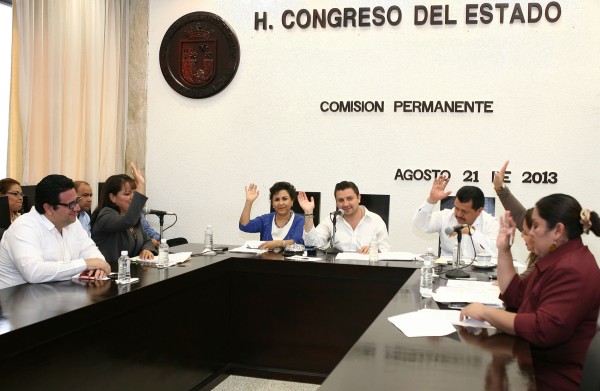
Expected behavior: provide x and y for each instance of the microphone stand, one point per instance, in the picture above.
(332, 249)
(456, 272)
(161, 220)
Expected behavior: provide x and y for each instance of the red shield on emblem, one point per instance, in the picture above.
(197, 62)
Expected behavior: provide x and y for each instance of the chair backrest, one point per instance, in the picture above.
(29, 198)
(4, 212)
(378, 203)
(489, 205)
(317, 212)
(590, 381)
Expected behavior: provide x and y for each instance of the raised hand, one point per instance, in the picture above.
(137, 174)
(499, 177)
(438, 189)
(252, 192)
(307, 205)
(506, 233)
(140, 182)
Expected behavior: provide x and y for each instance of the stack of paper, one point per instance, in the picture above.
(387, 256)
(459, 291)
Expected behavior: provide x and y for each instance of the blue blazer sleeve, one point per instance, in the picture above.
(297, 229)
(260, 224)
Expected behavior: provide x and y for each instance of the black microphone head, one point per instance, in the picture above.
(449, 230)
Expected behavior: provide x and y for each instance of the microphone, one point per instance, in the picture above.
(456, 228)
(148, 211)
(336, 213)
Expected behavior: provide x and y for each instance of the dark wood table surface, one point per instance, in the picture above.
(189, 326)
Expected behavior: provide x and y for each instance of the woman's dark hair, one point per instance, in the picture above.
(278, 186)
(49, 189)
(113, 185)
(562, 208)
(6, 184)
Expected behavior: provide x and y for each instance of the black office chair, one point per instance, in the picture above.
(378, 203)
(317, 212)
(489, 205)
(4, 213)
(29, 197)
(590, 381)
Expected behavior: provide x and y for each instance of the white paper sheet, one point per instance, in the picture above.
(426, 323)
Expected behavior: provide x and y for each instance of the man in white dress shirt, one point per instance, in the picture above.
(48, 243)
(480, 228)
(356, 226)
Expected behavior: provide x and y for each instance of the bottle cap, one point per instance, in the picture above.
(163, 241)
(124, 252)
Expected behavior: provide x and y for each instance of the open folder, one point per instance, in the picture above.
(174, 259)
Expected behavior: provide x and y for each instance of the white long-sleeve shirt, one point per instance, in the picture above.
(32, 250)
(348, 239)
(483, 238)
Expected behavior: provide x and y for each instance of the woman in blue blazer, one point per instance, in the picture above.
(280, 228)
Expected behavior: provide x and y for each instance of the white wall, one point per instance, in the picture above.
(267, 126)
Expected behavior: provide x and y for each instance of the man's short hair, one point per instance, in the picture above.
(471, 193)
(49, 189)
(78, 184)
(343, 185)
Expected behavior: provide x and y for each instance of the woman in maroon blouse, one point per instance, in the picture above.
(558, 301)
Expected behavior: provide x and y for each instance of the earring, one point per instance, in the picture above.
(552, 247)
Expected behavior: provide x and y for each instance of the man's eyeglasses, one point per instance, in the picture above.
(71, 205)
(16, 193)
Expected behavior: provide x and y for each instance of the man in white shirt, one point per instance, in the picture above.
(356, 226)
(84, 191)
(480, 228)
(48, 243)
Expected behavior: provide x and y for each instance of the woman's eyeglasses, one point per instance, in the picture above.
(16, 193)
(71, 205)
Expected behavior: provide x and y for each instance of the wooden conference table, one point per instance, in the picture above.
(190, 326)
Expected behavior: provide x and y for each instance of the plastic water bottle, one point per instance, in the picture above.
(373, 250)
(426, 287)
(208, 238)
(163, 254)
(124, 268)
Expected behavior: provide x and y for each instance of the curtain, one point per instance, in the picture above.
(69, 89)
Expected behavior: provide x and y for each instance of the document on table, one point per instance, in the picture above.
(426, 323)
(174, 259)
(249, 247)
(460, 291)
(387, 256)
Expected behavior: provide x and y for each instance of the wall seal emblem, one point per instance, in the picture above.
(199, 55)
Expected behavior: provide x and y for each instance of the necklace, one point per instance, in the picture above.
(288, 220)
